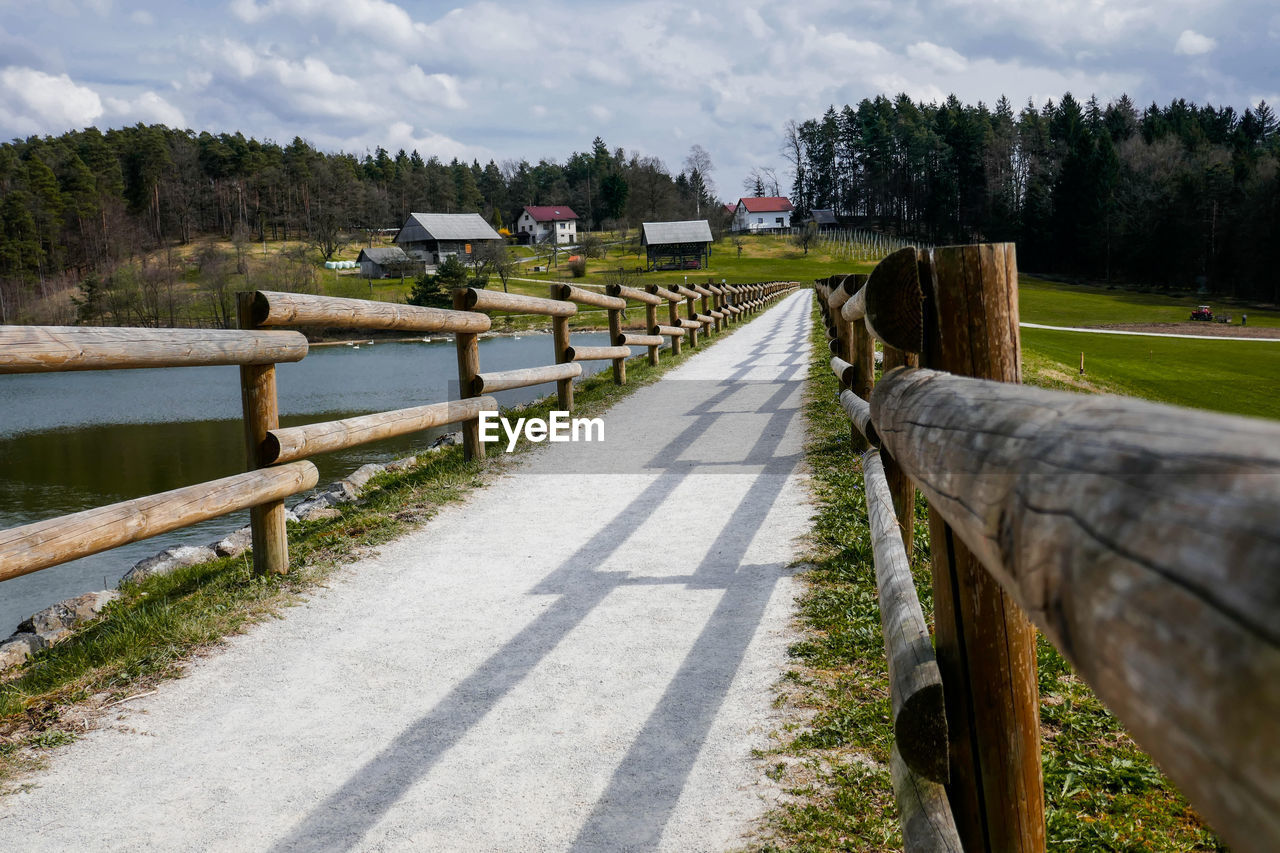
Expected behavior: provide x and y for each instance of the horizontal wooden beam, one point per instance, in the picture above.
(58, 540)
(627, 339)
(596, 353)
(271, 308)
(49, 349)
(668, 295)
(669, 331)
(507, 379)
(859, 411)
(633, 294)
(844, 371)
(924, 813)
(915, 684)
(493, 300)
(1142, 539)
(587, 297)
(289, 443)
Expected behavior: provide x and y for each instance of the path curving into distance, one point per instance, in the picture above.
(578, 657)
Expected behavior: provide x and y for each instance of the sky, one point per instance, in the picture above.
(541, 79)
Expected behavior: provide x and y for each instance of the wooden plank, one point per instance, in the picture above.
(985, 645)
(632, 293)
(48, 349)
(923, 811)
(488, 383)
(516, 303)
(37, 546)
(289, 443)
(586, 297)
(668, 331)
(271, 308)
(598, 353)
(631, 339)
(859, 412)
(915, 685)
(1142, 539)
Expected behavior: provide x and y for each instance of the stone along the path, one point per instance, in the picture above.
(578, 657)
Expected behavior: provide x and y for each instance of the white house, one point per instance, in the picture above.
(770, 213)
(539, 221)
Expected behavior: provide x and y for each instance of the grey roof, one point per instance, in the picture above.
(689, 231)
(823, 216)
(384, 255)
(445, 226)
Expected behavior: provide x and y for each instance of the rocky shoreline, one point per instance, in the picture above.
(59, 621)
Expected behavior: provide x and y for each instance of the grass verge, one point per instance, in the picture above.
(162, 623)
(1101, 791)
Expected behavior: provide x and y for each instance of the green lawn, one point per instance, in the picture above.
(1057, 304)
(1240, 377)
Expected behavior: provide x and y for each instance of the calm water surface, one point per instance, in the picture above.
(73, 441)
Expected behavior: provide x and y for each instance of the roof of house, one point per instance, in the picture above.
(689, 231)
(730, 208)
(445, 226)
(550, 213)
(767, 204)
(823, 216)
(384, 255)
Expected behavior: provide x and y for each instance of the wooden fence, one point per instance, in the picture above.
(277, 466)
(1142, 539)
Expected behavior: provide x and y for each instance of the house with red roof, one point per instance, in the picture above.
(769, 213)
(539, 222)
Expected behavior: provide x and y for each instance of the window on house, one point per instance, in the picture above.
(759, 220)
(778, 220)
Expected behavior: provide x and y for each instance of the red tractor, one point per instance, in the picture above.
(1202, 312)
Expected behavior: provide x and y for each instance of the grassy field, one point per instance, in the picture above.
(1058, 304)
(1239, 377)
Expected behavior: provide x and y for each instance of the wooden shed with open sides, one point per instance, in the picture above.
(677, 245)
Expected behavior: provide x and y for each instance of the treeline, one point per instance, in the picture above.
(1174, 196)
(77, 207)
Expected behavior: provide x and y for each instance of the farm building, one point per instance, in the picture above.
(432, 237)
(677, 245)
(824, 218)
(770, 213)
(541, 221)
(386, 262)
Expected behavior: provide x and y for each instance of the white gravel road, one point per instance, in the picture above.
(578, 657)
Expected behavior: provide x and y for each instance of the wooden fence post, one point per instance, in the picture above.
(615, 331)
(986, 647)
(261, 414)
(560, 339)
(468, 344)
(900, 485)
(651, 320)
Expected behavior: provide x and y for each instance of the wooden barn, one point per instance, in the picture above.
(388, 262)
(432, 237)
(677, 245)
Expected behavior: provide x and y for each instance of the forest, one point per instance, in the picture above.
(82, 210)
(1181, 196)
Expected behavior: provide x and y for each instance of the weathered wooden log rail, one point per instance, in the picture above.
(276, 456)
(1140, 538)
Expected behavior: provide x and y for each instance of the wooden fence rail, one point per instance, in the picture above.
(274, 454)
(1141, 538)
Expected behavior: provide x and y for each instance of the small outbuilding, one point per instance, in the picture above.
(824, 218)
(388, 262)
(682, 245)
(432, 237)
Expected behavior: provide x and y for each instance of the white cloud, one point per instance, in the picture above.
(35, 102)
(941, 59)
(148, 108)
(378, 20)
(1192, 43)
(142, 18)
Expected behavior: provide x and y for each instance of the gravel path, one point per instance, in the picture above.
(579, 657)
